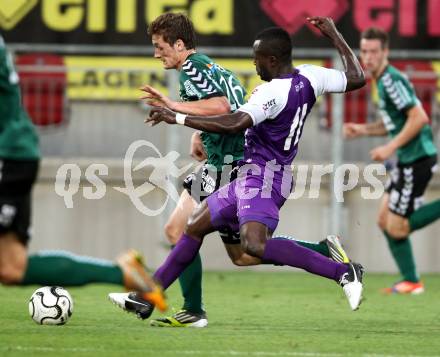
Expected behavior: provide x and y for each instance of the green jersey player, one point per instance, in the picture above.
(407, 125)
(19, 161)
(205, 89)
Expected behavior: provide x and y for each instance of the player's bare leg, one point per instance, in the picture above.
(397, 226)
(192, 313)
(13, 259)
(401, 250)
(186, 249)
(239, 257)
(179, 217)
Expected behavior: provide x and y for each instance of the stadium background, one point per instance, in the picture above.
(81, 63)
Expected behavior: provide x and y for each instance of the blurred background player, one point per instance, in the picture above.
(19, 161)
(406, 123)
(205, 89)
(272, 117)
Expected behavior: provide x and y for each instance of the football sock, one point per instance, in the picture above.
(178, 260)
(288, 252)
(320, 247)
(424, 215)
(402, 253)
(66, 269)
(191, 284)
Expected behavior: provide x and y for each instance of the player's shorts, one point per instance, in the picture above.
(205, 182)
(407, 184)
(16, 181)
(244, 200)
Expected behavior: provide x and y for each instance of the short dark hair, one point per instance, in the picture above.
(277, 42)
(172, 27)
(376, 33)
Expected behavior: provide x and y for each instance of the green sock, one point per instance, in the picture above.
(424, 215)
(320, 247)
(66, 269)
(403, 256)
(191, 284)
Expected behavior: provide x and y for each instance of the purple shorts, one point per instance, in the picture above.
(243, 200)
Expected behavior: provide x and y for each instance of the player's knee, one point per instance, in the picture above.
(172, 232)
(397, 232)
(252, 246)
(199, 224)
(191, 227)
(382, 223)
(238, 262)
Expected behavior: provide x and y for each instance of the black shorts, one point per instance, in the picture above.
(407, 184)
(16, 181)
(205, 182)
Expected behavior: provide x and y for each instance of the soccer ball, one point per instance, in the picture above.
(51, 305)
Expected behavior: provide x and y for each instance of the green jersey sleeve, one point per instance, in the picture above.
(400, 91)
(202, 78)
(197, 82)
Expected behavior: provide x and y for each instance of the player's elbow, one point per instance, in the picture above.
(224, 107)
(423, 118)
(418, 116)
(355, 81)
(220, 105)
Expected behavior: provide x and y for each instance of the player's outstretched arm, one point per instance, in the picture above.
(355, 130)
(209, 106)
(221, 124)
(353, 70)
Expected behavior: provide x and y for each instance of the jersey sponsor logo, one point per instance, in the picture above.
(299, 86)
(190, 90)
(269, 104)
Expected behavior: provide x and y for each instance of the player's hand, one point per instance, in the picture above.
(158, 115)
(324, 24)
(197, 150)
(382, 153)
(354, 130)
(155, 98)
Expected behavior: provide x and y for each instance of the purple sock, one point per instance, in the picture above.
(179, 258)
(290, 253)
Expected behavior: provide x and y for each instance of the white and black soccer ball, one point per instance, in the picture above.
(51, 305)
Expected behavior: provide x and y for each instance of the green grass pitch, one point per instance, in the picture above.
(250, 314)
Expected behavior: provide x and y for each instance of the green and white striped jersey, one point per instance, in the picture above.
(396, 97)
(202, 78)
(18, 139)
